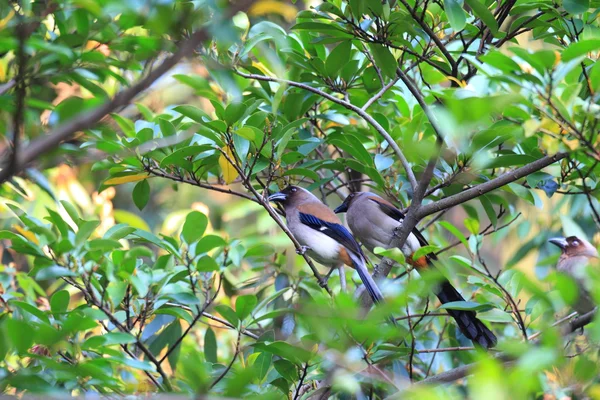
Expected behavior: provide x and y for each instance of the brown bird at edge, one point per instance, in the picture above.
(575, 256)
(373, 221)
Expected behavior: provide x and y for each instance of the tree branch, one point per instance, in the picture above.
(84, 121)
(488, 186)
(362, 113)
(460, 372)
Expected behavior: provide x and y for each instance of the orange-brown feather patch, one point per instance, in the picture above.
(382, 201)
(418, 263)
(345, 257)
(320, 211)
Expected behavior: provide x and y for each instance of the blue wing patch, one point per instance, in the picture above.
(335, 231)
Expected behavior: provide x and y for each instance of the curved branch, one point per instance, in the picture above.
(359, 111)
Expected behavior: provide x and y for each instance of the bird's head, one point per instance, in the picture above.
(573, 246)
(348, 201)
(292, 195)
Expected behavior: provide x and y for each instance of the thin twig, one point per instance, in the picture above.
(47, 143)
(237, 351)
(364, 115)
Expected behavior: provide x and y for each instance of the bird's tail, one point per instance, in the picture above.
(467, 321)
(360, 266)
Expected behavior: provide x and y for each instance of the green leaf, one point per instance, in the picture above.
(472, 225)
(210, 346)
(141, 194)
(338, 58)
(194, 226)
(59, 303)
(136, 364)
(424, 250)
(228, 313)
(166, 127)
(489, 209)
(85, 231)
(125, 124)
(484, 14)
(131, 219)
(576, 6)
(71, 211)
(20, 334)
(208, 243)
(207, 264)
(118, 231)
(455, 13)
(246, 133)
(262, 364)
(510, 160)
(394, 254)
(113, 338)
(579, 49)
(294, 354)
(192, 112)
(53, 272)
(286, 369)
(384, 59)
(234, 112)
(244, 305)
(180, 157)
(455, 231)
(466, 306)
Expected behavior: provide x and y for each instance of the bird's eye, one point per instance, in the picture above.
(575, 242)
(294, 189)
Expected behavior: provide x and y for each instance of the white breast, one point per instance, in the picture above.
(323, 249)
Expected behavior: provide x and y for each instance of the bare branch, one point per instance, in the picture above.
(488, 186)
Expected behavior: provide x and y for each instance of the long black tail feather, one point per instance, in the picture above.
(467, 321)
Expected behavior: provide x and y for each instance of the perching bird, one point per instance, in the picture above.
(322, 234)
(373, 221)
(576, 255)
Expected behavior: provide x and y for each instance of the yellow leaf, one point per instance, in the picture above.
(531, 127)
(119, 180)
(460, 83)
(229, 172)
(27, 234)
(262, 68)
(266, 7)
(4, 21)
(550, 125)
(126, 217)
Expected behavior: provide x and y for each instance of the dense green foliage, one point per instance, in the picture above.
(139, 253)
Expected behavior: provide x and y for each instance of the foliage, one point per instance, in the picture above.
(176, 274)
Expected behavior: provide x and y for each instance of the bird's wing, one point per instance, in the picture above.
(335, 231)
(399, 216)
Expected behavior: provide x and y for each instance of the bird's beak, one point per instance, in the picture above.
(560, 242)
(341, 208)
(278, 197)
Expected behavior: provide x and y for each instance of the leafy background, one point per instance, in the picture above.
(140, 141)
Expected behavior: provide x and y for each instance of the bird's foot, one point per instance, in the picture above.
(302, 250)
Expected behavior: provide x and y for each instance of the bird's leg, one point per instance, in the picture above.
(342, 274)
(302, 250)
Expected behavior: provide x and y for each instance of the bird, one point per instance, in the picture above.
(374, 220)
(576, 254)
(322, 235)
